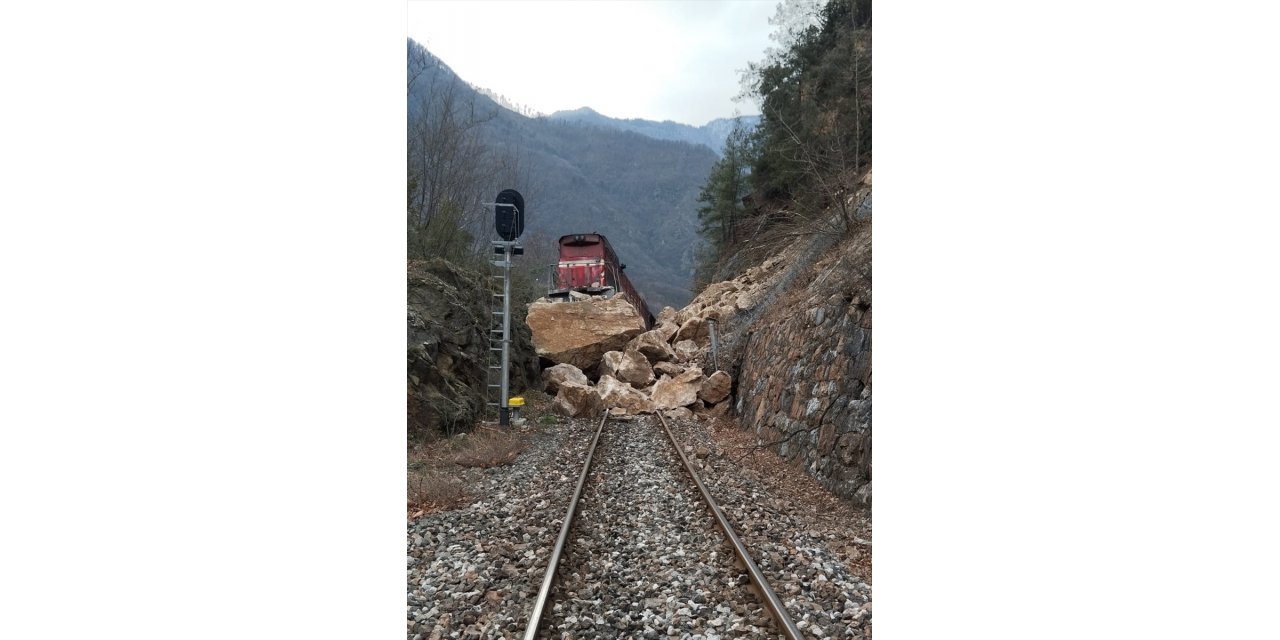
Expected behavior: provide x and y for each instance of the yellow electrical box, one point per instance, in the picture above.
(515, 402)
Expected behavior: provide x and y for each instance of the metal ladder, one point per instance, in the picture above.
(496, 281)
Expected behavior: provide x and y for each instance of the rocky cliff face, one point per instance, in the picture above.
(448, 318)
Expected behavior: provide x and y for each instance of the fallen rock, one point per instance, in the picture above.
(653, 345)
(669, 368)
(694, 329)
(579, 333)
(636, 370)
(666, 330)
(721, 410)
(628, 366)
(614, 393)
(686, 350)
(689, 311)
(555, 376)
(669, 393)
(576, 400)
(718, 290)
(610, 362)
(716, 388)
(678, 413)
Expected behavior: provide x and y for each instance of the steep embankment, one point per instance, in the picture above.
(448, 316)
(797, 341)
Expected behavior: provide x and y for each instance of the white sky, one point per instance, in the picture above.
(659, 60)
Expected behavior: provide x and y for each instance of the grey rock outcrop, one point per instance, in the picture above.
(447, 324)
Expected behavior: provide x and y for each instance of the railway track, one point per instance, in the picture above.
(645, 551)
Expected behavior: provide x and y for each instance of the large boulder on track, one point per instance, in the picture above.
(554, 377)
(616, 393)
(627, 366)
(580, 333)
(680, 391)
(576, 400)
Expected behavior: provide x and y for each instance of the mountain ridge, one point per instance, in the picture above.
(712, 134)
(639, 191)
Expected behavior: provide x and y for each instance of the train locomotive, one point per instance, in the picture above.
(588, 265)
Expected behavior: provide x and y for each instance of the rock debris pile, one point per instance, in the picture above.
(643, 373)
(605, 358)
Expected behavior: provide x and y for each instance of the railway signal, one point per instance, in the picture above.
(508, 214)
(508, 222)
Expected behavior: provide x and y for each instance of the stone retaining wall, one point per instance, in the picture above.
(804, 384)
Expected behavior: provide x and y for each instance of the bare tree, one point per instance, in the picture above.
(446, 161)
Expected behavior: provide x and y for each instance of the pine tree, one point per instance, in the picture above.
(722, 194)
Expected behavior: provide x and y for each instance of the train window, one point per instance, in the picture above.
(574, 250)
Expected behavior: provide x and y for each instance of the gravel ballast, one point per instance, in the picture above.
(644, 558)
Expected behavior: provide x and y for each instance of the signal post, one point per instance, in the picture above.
(508, 209)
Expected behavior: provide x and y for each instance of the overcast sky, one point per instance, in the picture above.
(659, 60)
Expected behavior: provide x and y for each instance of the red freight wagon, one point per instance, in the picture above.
(588, 265)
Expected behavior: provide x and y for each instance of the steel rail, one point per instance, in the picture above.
(772, 602)
(539, 605)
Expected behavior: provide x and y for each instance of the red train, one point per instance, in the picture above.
(589, 265)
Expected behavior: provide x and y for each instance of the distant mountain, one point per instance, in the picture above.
(503, 102)
(639, 191)
(711, 134)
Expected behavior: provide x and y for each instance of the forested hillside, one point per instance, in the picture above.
(795, 173)
(637, 190)
(712, 134)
